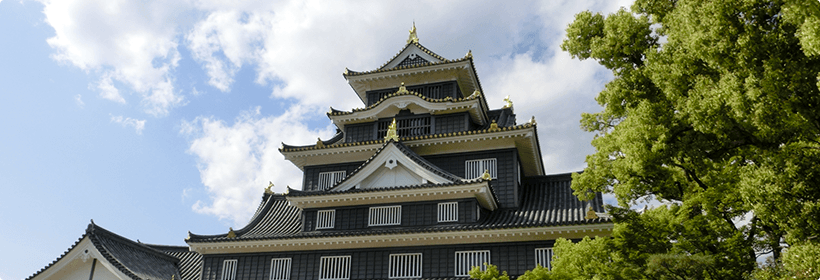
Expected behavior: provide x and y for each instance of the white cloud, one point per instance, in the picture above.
(78, 99)
(132, 42)
(138, 125)
(236, 161)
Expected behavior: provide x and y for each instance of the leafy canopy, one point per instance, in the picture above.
(715, 111)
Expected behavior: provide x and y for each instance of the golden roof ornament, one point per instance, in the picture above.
(591, 214)
(319, 143)
(469, 54)
(231, 234)
(391, 132)
(414, 38)
(402, 89)
(347, 71)
(486, 176)
(476, 93)
(532, 121)
(508, 102)
(494, 126)
(268, 190)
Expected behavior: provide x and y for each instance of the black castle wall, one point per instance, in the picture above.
(372, 263)
(412, 215)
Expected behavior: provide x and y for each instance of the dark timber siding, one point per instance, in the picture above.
(505, 186)
(452, 123)
(311, 175)
(359, 132)
(412, 215)
(437, 261)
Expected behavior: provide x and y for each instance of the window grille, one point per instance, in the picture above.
(385, 216)
(328, 179)
(334, 268)
(466, 260)
(280, 269)
(475, 168)
(405, 265)
(325, 219)
(448, 212)
(543, 256)
(407, 127)
(229, 270)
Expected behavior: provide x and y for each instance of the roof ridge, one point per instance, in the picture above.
(335, 112)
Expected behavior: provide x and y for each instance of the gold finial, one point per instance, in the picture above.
(391, 132)
(319, 143)
(346, 71)
(494, 126)
(469, 54)
(231, 234)
(532, 121)
(591, 214)
(508, 101)
(267, 190)
(287, 189)
(476, 93)
(414, 38)
(402, 89)
(486, 175)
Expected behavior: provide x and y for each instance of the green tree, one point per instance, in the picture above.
(714, 110)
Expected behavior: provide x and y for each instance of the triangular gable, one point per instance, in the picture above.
(394, 165)
(412, 54)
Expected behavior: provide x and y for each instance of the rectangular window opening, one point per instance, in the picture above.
(329, 179)
(466, 260)
(325, 219)
(229, 270)
(475, 168)
(280, 269)
(405, 265)
(334, 268)
(385, 216)
(448, 212)
(543, 256)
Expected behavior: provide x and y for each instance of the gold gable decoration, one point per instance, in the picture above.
(507, 102)
(413, 38)
(391, 132)
(268, 190)
(231, 234)
(486, 176)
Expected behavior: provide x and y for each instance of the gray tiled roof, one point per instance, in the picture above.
(547, 201)
(137, 260)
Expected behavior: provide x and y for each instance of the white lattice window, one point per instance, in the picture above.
(328, 179)
(385, 216)
(229, 270)
(334, 268)
(543, 256)
(405, 265)
(466, 260)
(280, 269)
(448, 212)
(325, 219)
(475, 168)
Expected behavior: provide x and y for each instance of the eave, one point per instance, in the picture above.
(479, 190)
(522, 137)
(521, 234)
(461, 70)
(391, 105)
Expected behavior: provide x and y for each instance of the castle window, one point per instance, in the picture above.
(448, 212)
(229, 270)
(385, 216)
(475, 168)
(406, 127)
(325, 219)
(280, 269)
(466, 260)
(405, 265)
(328, 179)
(334, 268)
(543, 256)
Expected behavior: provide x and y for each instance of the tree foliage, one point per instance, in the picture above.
(715, 111)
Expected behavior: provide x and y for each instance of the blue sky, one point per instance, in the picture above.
(155, 119)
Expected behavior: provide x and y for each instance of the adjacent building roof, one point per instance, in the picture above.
(137, 260)
(547, 201)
